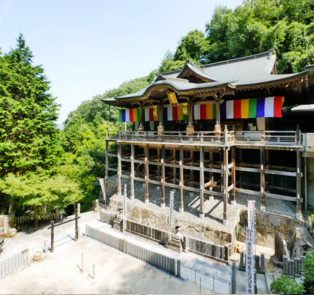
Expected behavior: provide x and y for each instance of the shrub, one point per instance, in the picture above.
(286, 285)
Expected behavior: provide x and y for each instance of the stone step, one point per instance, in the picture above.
(175, 244)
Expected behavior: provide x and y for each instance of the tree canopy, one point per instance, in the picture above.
(253, 27)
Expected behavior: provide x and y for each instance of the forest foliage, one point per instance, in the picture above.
(43, 168)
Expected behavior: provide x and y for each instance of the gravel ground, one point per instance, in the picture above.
(115, 272)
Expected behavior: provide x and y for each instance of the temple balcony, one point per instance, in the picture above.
(250, 139)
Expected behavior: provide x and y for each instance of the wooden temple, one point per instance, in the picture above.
(216, 130)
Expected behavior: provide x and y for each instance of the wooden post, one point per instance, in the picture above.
(211, 174)
(163, 177)
(146, 173)
(181, 204)
(52, 245)
(225, 177)
(119, 169)
(233, 176)
(262, 180)
(174, 170)
(107, 159)
(202, 182)
(158, 167)
(132, 173)
(217, 112)
(191, 170)
(298, 186)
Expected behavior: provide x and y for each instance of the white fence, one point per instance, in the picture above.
(171, 265)
(14, 262)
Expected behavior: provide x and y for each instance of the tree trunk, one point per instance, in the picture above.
(36, 217)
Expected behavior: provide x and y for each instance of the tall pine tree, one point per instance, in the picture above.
(28, 132)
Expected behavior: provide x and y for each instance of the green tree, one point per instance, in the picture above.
(308, 269)
(39, 191)
(193, 46)
(28, 132)
(286, 285)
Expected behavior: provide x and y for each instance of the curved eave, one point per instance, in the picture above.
(274, 82)
(189, 68)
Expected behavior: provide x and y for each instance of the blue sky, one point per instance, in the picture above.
(88, 47)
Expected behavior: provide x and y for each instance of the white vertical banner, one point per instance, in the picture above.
(124, 201)
(171, 201)
(249, 265)
(251, 214)
(250, 241)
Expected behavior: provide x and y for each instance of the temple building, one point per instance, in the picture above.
(219, 130)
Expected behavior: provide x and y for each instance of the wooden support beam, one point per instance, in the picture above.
(107, 159)
(298, 186)
(119, 169)
(233, 176)
(202, 182)
(174, 169)
(181, 203)
(191, 171)
(211, 175)
(163, 177)
(225, 185)
(146, 173)
(158, 167)
(262, 179)
(132, 195)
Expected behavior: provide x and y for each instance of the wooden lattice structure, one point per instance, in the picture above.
(202, 129)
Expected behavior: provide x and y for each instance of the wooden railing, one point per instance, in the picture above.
(268, 137)
(281, 138)
(206, 137)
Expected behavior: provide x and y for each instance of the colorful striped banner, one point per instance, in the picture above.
(150, 114)
(175, 113)
(263, 107)
(130, 115)
(204, 111)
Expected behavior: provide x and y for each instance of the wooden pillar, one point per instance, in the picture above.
(163, 177)
(181, 204)
(107, 160)
(191, 170)
(202, 182)
(298, 186)
(174, 170)
(241, 162)
(262, 180)
(225, 185)
(146, 173)
(233, 176)
(106, 157)
(132, 195)
(119, 169)
(211, 175)
(158, 167)
(217, 112)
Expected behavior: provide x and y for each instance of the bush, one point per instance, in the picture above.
(286, 285)
(308, 269)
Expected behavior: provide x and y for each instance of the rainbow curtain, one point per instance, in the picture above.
(262, 107)
(204, 111)
(130, 115)
(175, 113)
(150, 114)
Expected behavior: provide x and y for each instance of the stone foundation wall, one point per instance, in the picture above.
(267, 224)
(158, 220)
